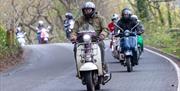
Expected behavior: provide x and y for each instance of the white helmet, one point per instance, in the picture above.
(40, 22)
(69, 15)
(18, 29)
(88, 5)
(115, 17)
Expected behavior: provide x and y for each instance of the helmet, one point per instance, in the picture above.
(88, 5)
(69, 15)
(40, 23)
(114, 17)
(18, 29)
(134, 17)
(126, 13)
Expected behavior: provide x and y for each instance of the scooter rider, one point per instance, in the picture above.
(68, 24)
(20, 35)
(114, 20)
(139, 32)
(39, 29)
(135, 18)
(98, 22)
(111, 27)
(127, 23)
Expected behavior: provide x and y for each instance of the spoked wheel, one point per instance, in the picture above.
(129, 64)
(89, 81)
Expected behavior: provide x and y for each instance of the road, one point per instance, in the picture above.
(52, 68)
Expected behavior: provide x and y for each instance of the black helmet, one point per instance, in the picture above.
(88, 5)
(126, 13)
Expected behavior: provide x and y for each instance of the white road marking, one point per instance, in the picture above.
(172, 62)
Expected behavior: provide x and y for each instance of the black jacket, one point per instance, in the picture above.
(128, 25)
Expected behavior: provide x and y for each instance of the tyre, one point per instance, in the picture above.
(98, 87)
(89, 81)
(140, 51)
(129, 64)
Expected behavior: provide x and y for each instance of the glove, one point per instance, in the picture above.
(101, 37)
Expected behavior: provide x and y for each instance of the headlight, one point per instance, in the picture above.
(87, 38)
(126, 33)
(88, 58)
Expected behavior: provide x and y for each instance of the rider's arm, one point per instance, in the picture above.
(139, 28)
(103, 27)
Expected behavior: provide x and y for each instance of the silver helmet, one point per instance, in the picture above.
(88, 5)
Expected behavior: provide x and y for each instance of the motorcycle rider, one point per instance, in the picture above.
(98, 22)
(39, 29)
(141, 31)
(111, 27)
(127, 23)
(68, 24)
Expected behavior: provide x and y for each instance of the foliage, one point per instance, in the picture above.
(162, 26)
(4, 49)
(162, 36)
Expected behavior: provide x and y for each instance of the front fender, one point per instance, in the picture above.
(88, 67)
(128, 53)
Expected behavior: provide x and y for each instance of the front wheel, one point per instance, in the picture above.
(89, 81)
(129, 64)
(98, 87)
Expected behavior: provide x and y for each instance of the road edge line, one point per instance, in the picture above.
(172, 62)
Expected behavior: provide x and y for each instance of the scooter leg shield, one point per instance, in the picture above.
(88, 67)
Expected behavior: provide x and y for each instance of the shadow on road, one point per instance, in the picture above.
(113, 62)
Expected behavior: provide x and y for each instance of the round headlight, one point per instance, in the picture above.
(87, 38)
(127, 34)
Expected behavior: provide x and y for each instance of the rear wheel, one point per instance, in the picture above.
(140, 51)
(129, 64)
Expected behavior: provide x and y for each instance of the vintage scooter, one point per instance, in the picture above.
(44, 36)
(88, 59)
(130, 54)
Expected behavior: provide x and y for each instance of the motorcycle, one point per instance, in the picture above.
(128, 52)
(21, 38)
(88, 59)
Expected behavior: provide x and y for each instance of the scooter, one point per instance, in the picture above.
(128, 54)
(44, 36)
(88, 59)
